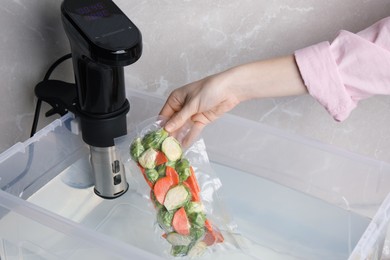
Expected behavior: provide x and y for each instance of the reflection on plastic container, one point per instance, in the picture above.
(276, 222)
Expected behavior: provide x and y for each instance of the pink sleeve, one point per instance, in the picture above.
(351, 68)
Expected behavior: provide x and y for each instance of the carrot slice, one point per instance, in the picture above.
(194, 195)
(142, 169)
(192, 184)
(161, 188)
(208, 225)
(171, 172)
(212, 236)
(193, 181)
(160, 158)
(180, 222)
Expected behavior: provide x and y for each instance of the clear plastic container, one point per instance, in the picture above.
(292, 198)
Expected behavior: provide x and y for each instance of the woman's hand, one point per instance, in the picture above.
(198, 104)
(203, 101)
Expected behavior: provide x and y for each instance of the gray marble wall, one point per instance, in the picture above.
(189, 39)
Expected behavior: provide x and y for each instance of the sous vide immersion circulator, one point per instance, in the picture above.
(103, 40)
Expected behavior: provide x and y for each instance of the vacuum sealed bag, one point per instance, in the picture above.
(182, 189)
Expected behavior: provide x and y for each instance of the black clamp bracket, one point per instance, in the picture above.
(97, 129)
(62, 96)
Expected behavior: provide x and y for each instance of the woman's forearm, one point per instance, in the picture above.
(205, 100)
(268, 78)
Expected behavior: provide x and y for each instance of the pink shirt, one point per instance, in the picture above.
(351, 68)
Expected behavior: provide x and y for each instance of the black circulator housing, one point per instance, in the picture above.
(103, 40)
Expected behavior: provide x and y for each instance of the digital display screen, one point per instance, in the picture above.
(98, 19)
(93, 12)
(101, 22)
